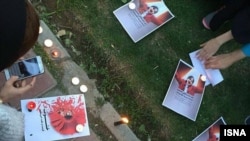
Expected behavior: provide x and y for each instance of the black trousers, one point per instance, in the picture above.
(239, 12)
(229, 10)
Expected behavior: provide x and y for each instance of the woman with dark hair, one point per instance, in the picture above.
(239, 12)
(19, 29)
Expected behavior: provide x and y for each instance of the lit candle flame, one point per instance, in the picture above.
(123, 120)
(31, 105)
(55, 54)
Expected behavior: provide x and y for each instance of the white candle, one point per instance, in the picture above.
(131, 5)
(124, 119)
(83, 88)
(48, 43)
(203, 78)
(40, 30)
(75, 81)
(79, 127)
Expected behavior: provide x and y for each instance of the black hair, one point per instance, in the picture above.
(19, 29)
(191, 77)
(155, 9)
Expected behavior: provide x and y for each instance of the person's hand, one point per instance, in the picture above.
(13, 87)
(222, 61)
(209, 48)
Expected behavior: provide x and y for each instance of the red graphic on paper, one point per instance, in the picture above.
(65, 114)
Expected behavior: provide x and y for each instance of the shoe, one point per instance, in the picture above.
(206, 20)
(247, 120)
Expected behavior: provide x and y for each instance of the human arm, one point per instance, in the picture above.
(223, 61)
(12, 124)
(246, 49)
(9, 91)
(210, 47)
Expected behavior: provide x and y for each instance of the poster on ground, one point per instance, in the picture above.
(185, 91)
(55, 118)
(212, 133)
(141, 17)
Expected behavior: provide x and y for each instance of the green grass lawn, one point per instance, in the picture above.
(135, 77)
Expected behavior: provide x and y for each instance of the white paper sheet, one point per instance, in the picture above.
(214, 76)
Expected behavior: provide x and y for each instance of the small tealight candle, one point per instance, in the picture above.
(75, 80)
(123, 120)
(203, 78)
(31, 105)
(55, 53)
(79, 128)
(131, 5)
(40, 30)
(83, 88)
(48, 43)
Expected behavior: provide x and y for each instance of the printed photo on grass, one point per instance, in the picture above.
(212, 133)
(185, 91)
(55, 118)
(141, 17)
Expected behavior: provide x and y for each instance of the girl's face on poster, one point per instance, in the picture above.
(190, 81)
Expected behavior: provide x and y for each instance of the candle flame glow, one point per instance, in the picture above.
(125, 120)
(31, 105)
(55, 54)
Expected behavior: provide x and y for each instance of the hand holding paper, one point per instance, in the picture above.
(213, 75)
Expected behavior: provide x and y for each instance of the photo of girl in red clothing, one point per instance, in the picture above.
(185, 91)
(154, 11)
(141, 17)
(187, 86)
(212, 133)
(187, 81)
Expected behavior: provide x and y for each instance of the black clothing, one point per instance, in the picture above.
(239, 12)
